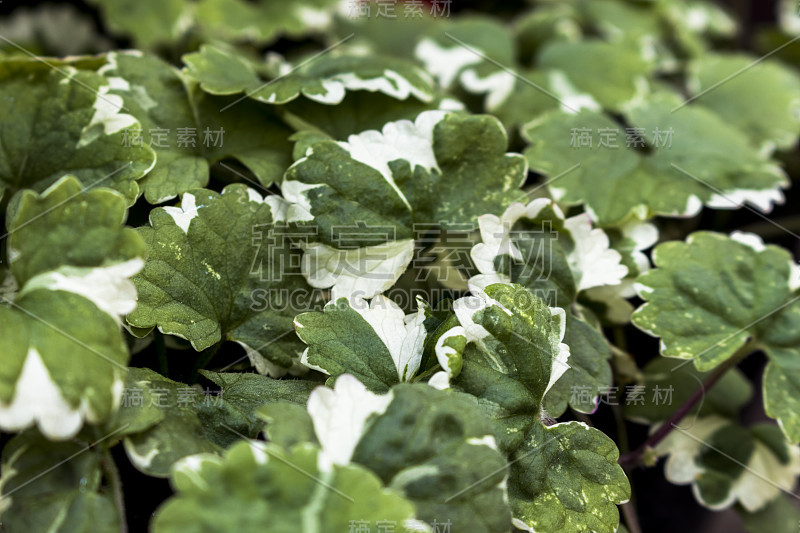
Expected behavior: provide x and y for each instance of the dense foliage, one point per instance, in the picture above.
(374, 266)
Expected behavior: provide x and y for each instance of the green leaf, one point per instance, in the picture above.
(711, 295)
(536, 247)
(527, 100)
(467, 53)
(149, 22)
(514, 356)
(359, 111)
(190, 130)
(690, 158)
(51, 30)
(586, 64)
(565, 478)
(384, 35)
(378, 344)
(153, 23)
(67, 225)
(383, 183)
(288, 424)
(326, 79)
(691, 23)
(180, 432)
(220, 268)
(239, 399)
(620, 20)
(55, 487)
(770, 116)
(450, 469)
(256, 484)
(140, 408)
(726, 463)
(706, 295)
(666, 385)
(548, 23)
(70, 115)
(262, 21)
(64, 353)
(781, 388)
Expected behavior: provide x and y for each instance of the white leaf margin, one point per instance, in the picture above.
(762, 480)
(592, 261)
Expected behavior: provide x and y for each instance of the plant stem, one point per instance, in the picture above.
(620, 339)
(634, 458)
(629, 511)
(115, 480)
(622, 430)
(631, 520)
(426, 374)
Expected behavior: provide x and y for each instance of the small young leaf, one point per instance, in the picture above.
(377, 343)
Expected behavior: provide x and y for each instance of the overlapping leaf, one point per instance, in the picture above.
(220, 268)
(450, 469)
(534, 246)
(760, 98)
(377, 343)
(514, 356)
(712, 294)
(665, 164)
(64, 354)
(69, 114)
(779, 516)
(363, 197)
(152, 22)
(240, 396)
(256, 484)
(325, 79)
(589, 373)
(727, 463)
(666, 385)
(586, 64)
(470, 54)
(559, 481)
(180, 432)
(190, 130)
(55, 487)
